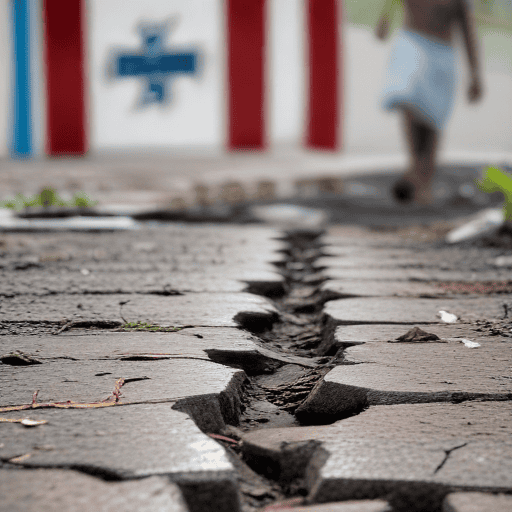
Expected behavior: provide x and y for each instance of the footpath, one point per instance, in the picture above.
(226, 368)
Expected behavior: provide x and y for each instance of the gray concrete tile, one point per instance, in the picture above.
(99, 281)
(92, 381)
(477, 502)
(192, 309)
(377, 288)
(347, 506)
(391, 373)
(400, 450)
(373, 260)
(416, 274)
(225, 345)
(127, 442)
(50, 490)
(384, 332)
(403, 310)
(89, 345)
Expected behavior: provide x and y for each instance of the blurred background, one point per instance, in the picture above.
(110, 96)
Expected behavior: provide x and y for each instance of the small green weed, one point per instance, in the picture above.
(144, 326)
(495, 180)
(47, 197)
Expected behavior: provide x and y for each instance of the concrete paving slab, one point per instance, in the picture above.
(84, 281)
(192, 309)
(344, 506)
(347, 334)
(392, 373)
(477, 502)
(145, 381)
(48, 490)
(376, 288)
(403, 452)
(413, 274)
(91, 345)
(246, 247)
(225, 345)
(374, 260)
(127, 442)
(404, 310)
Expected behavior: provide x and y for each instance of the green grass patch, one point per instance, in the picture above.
(46, 198)
(496, 180)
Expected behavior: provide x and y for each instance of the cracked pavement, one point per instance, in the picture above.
(237, 368)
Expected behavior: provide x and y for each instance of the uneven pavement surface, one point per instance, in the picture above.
(239, 368)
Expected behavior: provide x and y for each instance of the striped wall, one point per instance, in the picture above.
(264, 72)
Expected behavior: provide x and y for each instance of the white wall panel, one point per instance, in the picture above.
(194, 116)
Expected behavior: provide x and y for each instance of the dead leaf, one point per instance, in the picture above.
(223, 438)
(20, 458)
(113, 399)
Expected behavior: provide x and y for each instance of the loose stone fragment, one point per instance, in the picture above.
(417, 335)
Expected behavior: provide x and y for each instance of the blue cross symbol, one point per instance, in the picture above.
(155, 64)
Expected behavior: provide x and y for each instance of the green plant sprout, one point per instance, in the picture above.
(144, 326)
(47, 197)
(495, 180)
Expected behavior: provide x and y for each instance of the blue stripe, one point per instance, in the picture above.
(22, 115)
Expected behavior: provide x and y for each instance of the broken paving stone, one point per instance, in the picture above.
(412, 311)
(143, 440)
(398, 451)
(417, 335)
(48, 490)
(477, 502)
(174, 381)
(392, 373)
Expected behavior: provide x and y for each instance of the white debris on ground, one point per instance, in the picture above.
(446, 317)
(483, 223)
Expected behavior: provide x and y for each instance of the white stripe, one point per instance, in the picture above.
(194, 117)
(37, 74)
(5, 75)
(287, 76)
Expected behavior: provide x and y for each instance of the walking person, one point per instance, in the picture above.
(420, 81)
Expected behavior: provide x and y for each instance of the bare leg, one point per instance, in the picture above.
(422, 143)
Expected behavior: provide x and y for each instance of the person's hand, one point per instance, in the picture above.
(475, 91)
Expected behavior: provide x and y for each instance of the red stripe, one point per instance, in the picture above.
(65, 80)
(246, 48)
(324, 74)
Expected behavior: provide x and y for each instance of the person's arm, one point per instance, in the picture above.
(382, 28)
(469, 34)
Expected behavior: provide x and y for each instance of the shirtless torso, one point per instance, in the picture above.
(433, 17)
